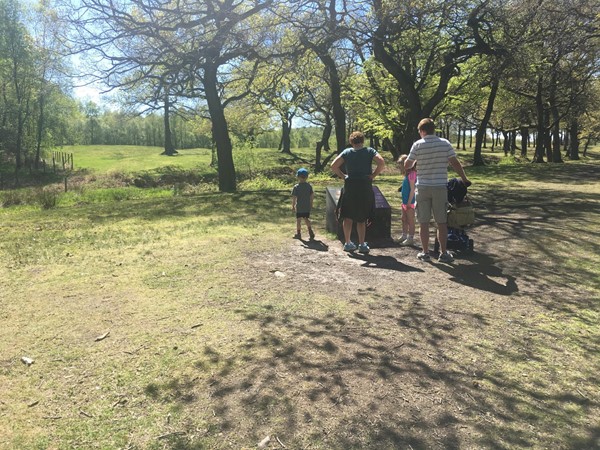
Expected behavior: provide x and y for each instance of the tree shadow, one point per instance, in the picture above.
(402, 372)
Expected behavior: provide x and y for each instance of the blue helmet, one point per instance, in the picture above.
(302, 172)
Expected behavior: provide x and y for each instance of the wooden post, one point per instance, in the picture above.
(66, 187)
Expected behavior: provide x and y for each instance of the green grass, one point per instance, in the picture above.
(130, 158)
(208, 349)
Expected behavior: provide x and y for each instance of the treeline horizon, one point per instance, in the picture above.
(214, 73)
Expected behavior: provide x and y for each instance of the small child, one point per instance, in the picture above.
(302, 202)
(408, 202)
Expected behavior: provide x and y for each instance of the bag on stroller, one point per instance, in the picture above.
(460, 216)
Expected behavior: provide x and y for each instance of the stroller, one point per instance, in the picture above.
(460, 216)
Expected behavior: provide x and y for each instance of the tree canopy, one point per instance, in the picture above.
(185, 70)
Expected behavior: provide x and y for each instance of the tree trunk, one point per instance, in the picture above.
(539, 109)
(547, 135)
(506, 144)
(323, 144)
(585, 148)
(524, 141)
(220, 132)
(326, 134)
(40, 130)
(513, 142)
(556, 154)
(574, 129)
(169, 148)
(482, 130)
(318, 167)
(286, 135)
(339, 114)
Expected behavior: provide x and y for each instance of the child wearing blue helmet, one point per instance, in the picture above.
(302, 202)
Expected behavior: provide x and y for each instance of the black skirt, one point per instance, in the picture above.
(358, 200)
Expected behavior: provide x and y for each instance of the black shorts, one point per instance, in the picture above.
(302, 215)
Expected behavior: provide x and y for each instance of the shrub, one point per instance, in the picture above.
(11, 198)
(46, 198)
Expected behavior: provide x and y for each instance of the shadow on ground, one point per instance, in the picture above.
(399, 375)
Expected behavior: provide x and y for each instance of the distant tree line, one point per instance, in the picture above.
(199, 73)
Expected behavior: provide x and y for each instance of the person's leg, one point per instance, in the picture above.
(424, 216)
(411, 221)
(440, 215)
(361, 230)
(442, 236)
(311, 233)
(424, 235)
(404, 221)
(298, 225)
(347, 229)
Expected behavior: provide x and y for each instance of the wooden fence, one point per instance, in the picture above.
(62, 161)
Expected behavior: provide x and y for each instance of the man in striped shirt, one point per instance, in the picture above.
(433, 154)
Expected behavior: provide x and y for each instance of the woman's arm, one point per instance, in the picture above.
(380, 165)
(336, 167)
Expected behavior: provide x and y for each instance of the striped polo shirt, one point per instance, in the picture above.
(431, 154)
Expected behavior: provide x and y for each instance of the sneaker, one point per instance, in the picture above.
(311, 234)
(408, 241)
(297, 236)
(446, 257)
(423, 256)
(363, 248)
(350, 247)
(401, 239)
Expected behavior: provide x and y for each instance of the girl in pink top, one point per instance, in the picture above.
(408, 202)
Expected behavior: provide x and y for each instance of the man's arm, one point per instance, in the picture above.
(457, 166)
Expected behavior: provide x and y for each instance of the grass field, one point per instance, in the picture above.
(182, 318)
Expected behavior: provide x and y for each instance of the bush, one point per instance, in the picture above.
(11, 198)
(145, 180)
(46, 198)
